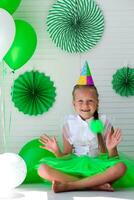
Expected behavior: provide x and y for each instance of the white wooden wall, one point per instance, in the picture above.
(115, 50)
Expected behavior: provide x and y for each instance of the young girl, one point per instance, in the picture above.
(83, 164)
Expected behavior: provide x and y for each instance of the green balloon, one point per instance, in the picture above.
(32, 153)
(23, 45)
(9, 5)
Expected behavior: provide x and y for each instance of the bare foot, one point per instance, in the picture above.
(62, 187)
(104, 187)
(58, 187)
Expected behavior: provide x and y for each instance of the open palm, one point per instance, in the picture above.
(49, 143)
(113, 139)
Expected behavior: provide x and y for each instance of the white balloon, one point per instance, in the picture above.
(7, 32)
(12, 171)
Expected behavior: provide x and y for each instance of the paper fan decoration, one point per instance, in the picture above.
(85, 76)
(33, 93)
(75, 25)
(123, 81)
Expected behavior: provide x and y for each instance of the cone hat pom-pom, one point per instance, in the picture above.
(96, 126)
(75, 25)
(33, 93)
(85, 76)
(123, 81)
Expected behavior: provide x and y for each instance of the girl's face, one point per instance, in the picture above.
(85, 102)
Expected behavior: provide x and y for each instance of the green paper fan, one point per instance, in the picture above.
(33, 93)
(123, 81)
(75, 25)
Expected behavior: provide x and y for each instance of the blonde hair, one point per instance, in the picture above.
(92, 87)
(101, 144)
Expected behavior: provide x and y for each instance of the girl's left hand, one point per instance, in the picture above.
(113, 139)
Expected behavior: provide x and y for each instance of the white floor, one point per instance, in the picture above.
(41, 192)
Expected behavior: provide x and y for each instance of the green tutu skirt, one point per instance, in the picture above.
(85, 166)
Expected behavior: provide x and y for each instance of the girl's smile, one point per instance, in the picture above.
(85, 102)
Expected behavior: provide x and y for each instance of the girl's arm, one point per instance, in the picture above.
(67, 148)
(112, 140)
(51, 144)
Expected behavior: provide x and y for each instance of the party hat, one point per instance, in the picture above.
(85, 76)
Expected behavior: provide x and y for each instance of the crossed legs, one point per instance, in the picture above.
(64, 182)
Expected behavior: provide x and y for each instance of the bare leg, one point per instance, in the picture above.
(111, 174)
(51, 174)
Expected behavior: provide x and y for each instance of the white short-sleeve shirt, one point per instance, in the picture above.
(79, 135)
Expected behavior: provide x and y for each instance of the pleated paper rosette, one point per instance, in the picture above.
(33, 93)
(75, 25)
(123, 81)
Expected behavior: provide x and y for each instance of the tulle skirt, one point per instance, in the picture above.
(85, 166)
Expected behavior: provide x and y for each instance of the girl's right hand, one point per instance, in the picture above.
(49, 143)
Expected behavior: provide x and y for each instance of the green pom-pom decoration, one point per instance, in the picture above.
(123, 81)
(96, 126)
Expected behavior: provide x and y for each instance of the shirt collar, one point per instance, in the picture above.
(84, 121)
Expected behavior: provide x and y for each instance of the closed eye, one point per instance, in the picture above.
(80, 101)
(90, 100)
(87, 102)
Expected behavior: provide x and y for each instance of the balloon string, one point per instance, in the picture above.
(3, 109)
(10, 115)
(5, 131)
